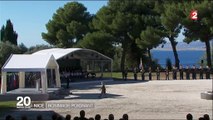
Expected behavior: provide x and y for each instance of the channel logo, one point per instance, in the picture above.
(193, 15)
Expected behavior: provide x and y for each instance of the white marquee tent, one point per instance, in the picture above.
(30, 63)
(47, 59)
(86, 56)
(78, 53)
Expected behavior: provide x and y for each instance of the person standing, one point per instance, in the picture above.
(208, 71)
(66, 75)
(194, 72)
(181, 72)
(189, 116)
(103, 90)
(135, 73)
(82, 115)
(167, 73)
(14, 81)
(174, 71)
(150, 73)
(142, 69)
(125, 74)
(158, 73)
(187, 72)
(142, 74)
(201, 71)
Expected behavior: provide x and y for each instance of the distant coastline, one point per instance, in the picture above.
(182, 46)
(180, 49)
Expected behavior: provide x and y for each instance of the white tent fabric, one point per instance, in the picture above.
(61, 52)
(56, 52)
(77, 53)
(44, 59)
(30, 63)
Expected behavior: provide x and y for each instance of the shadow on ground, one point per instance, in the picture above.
(91, 96)
(97, 84)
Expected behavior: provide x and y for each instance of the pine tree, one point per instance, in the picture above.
(2, 33)
(8, 33)
(68, 25)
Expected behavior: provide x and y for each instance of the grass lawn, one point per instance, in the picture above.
(7, 106)
(117, 75)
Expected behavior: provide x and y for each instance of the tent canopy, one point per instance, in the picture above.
(29, 63)
(76, 53)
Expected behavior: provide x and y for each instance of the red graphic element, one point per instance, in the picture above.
(193, 15)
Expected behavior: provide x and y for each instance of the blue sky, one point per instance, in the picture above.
(29, 17)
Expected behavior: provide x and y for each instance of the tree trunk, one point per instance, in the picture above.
(208, 53)
(123, 56)
(177, 61)
(150, 57)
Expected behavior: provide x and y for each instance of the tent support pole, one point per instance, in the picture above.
(44, 81)
(21, 79)
(58, 81)
(4, 82)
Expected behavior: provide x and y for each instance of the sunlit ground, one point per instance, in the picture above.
(143, 100)
(163, 99)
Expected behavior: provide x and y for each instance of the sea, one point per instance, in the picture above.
(186, 57)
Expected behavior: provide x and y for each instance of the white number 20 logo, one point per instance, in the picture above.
(23, 101)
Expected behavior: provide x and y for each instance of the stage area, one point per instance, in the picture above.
(33, 93)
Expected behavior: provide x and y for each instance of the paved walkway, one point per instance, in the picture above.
(163, 99)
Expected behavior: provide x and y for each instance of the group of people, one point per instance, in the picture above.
(204, 117)
(190, 73)
(96, 117)
(69, 75)
(12, 81)
(184, 73)
(68, 117)
(73, 74)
